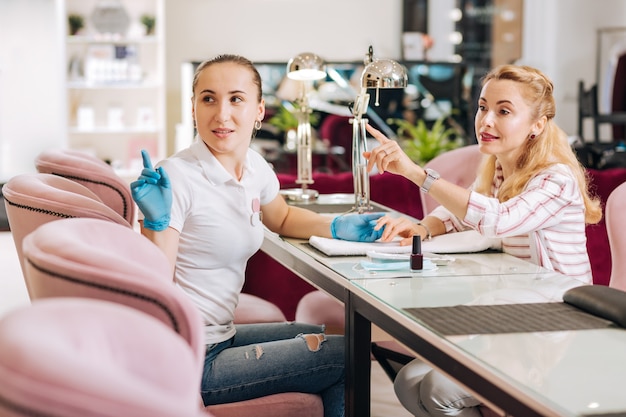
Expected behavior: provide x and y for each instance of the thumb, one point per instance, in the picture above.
(165, 179)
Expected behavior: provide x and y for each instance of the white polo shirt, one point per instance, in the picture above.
(220, 228)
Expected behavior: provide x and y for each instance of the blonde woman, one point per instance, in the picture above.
(530, 191)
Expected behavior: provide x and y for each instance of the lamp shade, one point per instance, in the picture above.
(306, 66)
(384, 73)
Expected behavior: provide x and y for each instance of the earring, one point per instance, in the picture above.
(532, 136)
(257, 125)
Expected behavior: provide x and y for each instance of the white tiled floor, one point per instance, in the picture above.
(13, 294)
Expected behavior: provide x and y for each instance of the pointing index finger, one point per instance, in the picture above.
(377, 134)
(147, 163)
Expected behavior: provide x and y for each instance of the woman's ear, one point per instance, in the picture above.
(539, 126)
(261, 110)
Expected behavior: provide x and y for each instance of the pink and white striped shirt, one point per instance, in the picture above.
(545, 224)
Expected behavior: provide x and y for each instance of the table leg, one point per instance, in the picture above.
(358, 335)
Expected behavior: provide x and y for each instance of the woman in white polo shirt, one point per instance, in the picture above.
(530, 191)
(206, 207)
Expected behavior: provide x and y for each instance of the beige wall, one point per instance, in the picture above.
(32, 82)
(560, 38)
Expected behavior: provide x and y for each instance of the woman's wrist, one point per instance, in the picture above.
(417, 175)
(428, 234)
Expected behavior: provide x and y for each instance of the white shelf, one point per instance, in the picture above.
(108, 130)
(83, 40)
(119, 78)
(121, 85)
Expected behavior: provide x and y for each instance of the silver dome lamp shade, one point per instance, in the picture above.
(306, 68)
(378, 73)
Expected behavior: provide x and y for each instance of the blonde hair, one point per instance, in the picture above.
(548, 148)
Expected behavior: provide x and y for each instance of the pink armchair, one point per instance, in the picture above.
(101, 179)
(74, 357)
(34, 199)
(458, 166)
(93, 173)
(615, 211)
(91, 258)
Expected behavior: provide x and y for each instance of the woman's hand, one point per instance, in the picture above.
(401, 226)
(389, 157)
(153, 194)
(356, 227)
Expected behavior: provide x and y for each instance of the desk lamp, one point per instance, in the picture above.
(378, 73)
(306, 68)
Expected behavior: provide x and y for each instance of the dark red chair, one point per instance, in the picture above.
(337, 131)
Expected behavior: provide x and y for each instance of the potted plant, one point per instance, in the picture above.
(149, 22)
(422, 143)
(76, 23)
(286, 121)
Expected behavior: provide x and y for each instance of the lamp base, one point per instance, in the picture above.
(300, 195)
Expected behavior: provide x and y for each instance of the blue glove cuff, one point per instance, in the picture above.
(333, 232)
(157, 226)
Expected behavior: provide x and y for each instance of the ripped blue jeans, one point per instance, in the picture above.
(269, 358)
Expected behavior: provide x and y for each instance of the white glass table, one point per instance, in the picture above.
(547, 373)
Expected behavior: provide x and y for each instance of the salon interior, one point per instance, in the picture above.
(445, 46)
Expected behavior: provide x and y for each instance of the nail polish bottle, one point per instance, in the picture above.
(417, 259)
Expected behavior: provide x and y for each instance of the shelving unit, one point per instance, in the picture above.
(116, 82)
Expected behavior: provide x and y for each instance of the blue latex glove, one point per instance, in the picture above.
(153, 194)
(356, 227)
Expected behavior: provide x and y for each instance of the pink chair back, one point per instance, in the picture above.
(458, 166)
(615, 218)
(34, 199)
(254, 309)
(317, 307)
(73, 357)
(93, 173)
(94, 258)
(100, 178)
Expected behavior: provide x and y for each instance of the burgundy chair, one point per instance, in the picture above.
(337, 130)
(602, 183)
(98, 259)
(317, 307)
(75, 357)
(287, 288)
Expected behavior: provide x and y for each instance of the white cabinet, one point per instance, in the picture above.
(116, 82)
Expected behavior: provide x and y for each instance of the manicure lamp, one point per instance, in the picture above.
(378, 73)
(306, 68)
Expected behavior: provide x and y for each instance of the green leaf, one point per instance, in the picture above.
(285, 120)
(422, 144)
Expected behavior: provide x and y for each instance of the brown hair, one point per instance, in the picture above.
(548, 148)
(236, 59)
